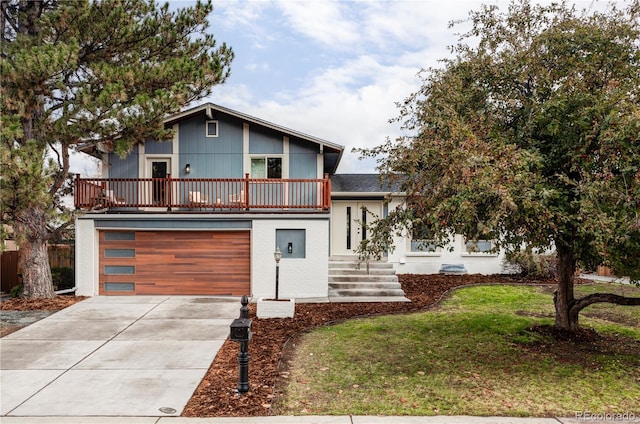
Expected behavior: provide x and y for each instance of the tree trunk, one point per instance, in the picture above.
(33, 258)
(566, 315)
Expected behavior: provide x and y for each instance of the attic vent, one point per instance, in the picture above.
(212, 129)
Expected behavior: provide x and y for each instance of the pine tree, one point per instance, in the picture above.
(77, 74)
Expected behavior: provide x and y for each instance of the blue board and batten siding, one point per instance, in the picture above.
(264, 141)
(211, 157)
(126, 167)
(172, 223)
(303, 159)
(158, 147)
(221, 156)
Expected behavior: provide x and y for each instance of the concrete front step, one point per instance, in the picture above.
(376, 292)
(364, 285)
(344, 258)
(363, 278)
(353, 281)
(350, 271)
(362, 266)
(368, 299)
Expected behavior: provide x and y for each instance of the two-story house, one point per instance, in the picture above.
(203, 213)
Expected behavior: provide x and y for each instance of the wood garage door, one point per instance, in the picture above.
(175, 262)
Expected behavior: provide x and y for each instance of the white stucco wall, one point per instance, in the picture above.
(407, 262)
(299, 277)
(86, 258)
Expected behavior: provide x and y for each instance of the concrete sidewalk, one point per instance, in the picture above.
(301, 420)
(603, 279)
(113, 356)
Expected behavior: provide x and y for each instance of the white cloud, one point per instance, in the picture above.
(338, 107)
(404, 22)
(377, 49)
(360, 58)
(232, 14)
(243, 16)
(322, 21)
(257, 67)
(352, 101)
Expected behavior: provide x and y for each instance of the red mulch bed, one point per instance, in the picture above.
(216, 395)
(53, 304)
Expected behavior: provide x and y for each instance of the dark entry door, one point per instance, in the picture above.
(159, 174)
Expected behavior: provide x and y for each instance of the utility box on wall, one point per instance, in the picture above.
(292, 243)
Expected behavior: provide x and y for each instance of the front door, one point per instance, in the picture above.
(348, 223)
(158, 169)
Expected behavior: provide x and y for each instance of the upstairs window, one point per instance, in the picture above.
(212, 129)
(266, 167)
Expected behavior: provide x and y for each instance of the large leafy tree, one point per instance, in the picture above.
(529, 136)
(82, 73)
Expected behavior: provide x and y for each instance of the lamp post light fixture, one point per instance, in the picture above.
(277, 255)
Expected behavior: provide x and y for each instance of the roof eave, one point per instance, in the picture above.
(366, 194)
(208, 107)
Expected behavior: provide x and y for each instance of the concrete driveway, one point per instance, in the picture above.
(114, 356)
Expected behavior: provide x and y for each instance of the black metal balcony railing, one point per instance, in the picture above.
(202, 193)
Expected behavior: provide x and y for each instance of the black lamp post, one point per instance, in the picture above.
(277, 255)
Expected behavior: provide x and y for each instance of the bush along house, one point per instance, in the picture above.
(203, 213)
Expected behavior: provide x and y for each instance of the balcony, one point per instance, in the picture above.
(239, 195)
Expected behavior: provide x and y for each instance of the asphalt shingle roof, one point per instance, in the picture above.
(361, 183)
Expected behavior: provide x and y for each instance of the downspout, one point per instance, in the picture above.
(66, 291)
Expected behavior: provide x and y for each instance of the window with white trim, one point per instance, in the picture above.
(212, 128)
(266, 167)
(424, 246)
(479, 246)
(421, 242)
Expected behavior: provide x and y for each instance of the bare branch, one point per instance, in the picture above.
(61, 176)
(7, 19)
(582, 303)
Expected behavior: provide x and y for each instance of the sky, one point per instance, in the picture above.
(334, 69)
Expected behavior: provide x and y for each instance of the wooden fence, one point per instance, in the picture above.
(60, 255)
(9, 270)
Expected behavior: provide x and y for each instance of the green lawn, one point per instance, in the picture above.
(474, 355)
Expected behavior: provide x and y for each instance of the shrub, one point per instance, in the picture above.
(532, 265)
(63, 277)
(16, 291)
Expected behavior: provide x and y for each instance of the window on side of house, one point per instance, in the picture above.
(212, 128)
(424, 246)
(266, 167)
(479, 246)
(421, 241)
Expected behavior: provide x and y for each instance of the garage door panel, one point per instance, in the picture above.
(198, 288)
(175, 262)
